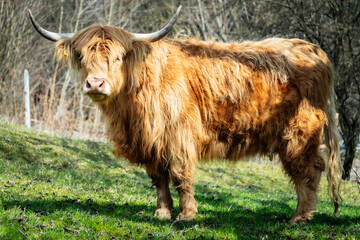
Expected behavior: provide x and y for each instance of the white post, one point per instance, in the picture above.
(27, 98)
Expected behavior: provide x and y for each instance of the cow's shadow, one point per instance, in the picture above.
(239, 218)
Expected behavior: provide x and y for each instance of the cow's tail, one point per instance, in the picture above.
(333, 162)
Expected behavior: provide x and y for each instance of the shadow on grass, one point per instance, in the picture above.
(14, 148)
(243, 222)
(271, 215)
(35, 149)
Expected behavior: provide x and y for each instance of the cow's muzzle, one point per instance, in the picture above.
(96, 88)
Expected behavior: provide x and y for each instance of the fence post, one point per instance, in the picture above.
(27, 98)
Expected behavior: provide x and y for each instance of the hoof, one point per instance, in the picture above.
(189, 216)
(301, 219)
(163, 214)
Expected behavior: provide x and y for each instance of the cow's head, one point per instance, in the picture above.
(103, 55)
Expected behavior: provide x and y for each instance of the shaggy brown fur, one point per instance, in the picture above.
(174, 102)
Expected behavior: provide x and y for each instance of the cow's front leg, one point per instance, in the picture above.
(164, 206)
(183, 182)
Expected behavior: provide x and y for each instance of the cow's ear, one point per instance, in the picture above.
(65, 53)
(61, 51)
(134, 60)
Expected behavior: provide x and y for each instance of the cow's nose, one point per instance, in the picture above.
(94, 85)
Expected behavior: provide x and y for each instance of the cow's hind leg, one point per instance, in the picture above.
(305, 172)
(301, 157)
(161, 180)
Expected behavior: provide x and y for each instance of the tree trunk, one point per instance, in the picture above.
(351, 140)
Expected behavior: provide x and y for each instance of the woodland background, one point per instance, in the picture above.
(56, 100)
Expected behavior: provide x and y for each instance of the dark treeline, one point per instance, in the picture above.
(56, 100)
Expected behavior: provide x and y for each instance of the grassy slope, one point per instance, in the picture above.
(58, 188)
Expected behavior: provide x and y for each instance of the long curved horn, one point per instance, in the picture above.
(47, 34)
(155, 36)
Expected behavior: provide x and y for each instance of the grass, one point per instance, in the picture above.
(58, 188)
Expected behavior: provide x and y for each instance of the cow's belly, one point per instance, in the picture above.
(234, 146)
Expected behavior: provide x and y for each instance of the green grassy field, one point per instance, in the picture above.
(59, 188)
